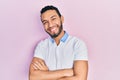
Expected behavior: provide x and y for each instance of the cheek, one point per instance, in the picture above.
(45, 27)
(57, 23)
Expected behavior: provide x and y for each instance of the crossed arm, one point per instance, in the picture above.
(39, 71)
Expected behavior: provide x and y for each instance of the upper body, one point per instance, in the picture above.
(61, 57)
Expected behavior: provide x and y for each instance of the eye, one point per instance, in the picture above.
(45, 22)
(53, 18)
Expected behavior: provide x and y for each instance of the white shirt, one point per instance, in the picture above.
(61, 56)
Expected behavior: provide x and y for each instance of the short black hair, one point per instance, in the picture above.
(50, 7)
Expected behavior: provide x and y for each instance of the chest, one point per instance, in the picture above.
(59, 57)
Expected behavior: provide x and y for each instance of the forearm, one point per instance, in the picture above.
(50, 75)
(80, 71)
(68, 78)
(73, 78)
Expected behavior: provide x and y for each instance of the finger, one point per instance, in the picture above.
(43, 66)
(42, 63)
(36, 66)
(38, 63)
(39, 66)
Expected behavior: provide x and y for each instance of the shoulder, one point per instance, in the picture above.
(77, 41)
(44, 42)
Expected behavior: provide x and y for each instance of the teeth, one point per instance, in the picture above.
(53, 29)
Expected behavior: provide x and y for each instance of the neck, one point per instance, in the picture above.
(57, 39)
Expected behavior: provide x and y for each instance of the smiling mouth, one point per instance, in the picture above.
(52, 30)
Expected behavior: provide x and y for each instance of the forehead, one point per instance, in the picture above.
(48, 14)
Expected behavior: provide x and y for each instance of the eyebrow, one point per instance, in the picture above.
(43, 20)
(53, 16)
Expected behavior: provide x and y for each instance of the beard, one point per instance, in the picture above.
(59, 31)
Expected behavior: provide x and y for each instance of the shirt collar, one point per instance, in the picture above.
(63, 39)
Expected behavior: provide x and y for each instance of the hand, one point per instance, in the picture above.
(39, 64)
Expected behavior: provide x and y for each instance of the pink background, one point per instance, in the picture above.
(97, 22)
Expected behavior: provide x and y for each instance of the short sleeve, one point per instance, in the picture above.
(39, 50)
(80, 50)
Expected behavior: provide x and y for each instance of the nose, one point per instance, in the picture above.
(50, 24)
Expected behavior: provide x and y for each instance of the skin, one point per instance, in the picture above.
(52, 23)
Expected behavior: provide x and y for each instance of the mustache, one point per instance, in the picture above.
(51, 28)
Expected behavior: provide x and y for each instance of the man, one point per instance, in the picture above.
(60, 57)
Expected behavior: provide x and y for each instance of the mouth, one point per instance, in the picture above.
(53, 30)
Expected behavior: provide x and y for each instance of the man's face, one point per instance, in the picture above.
(52, 23)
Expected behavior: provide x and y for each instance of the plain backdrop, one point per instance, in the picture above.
(97, 22)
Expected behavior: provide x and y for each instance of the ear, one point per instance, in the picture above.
(62, 19)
